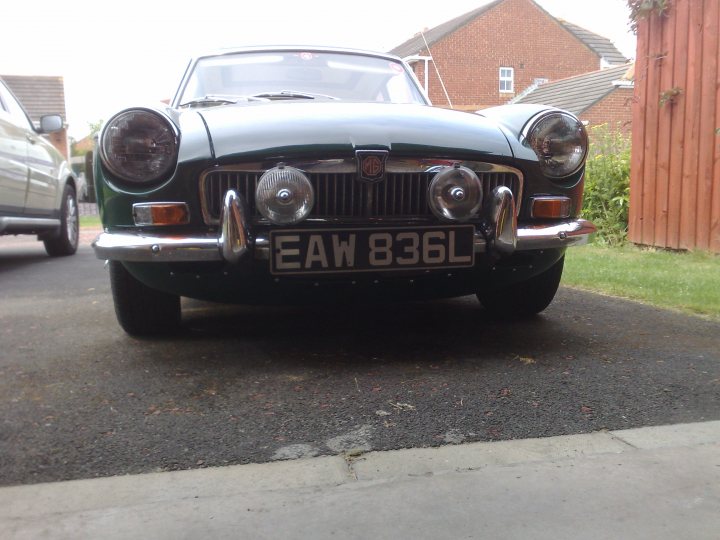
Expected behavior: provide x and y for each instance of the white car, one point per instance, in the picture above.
(38, 191)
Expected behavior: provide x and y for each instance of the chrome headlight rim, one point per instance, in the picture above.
(122, 175)
(530, 132)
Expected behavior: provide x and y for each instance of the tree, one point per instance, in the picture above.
(95, 127)
(84, 145)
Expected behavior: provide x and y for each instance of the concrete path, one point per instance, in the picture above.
(648, 483)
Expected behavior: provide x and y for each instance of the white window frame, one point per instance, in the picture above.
(505, 78)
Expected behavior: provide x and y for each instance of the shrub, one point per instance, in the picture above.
(607, 184)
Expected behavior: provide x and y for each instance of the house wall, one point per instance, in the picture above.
(675, 169)
(615, 110)
(515, 33)
(59, 140)
(84, 145)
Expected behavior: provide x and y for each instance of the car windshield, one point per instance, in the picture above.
(283, 75)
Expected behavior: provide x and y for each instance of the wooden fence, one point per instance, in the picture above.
(675, 169)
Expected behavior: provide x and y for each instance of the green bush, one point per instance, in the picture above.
(607, 184)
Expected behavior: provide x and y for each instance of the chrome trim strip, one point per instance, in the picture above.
(504, 220)
(262, 247)
(574, 232)
(137, 247)
(234, 233)
(349, 165)
(9, 224)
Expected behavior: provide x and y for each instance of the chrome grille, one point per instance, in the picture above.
(340, 196)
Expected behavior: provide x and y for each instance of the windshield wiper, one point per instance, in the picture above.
(293, 94)
(211, 100)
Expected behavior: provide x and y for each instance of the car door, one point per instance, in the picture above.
(14, 172)
(44, 163)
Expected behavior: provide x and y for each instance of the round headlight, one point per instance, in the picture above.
(455, 194)
(139, 145)
(560, 143)
(284, 195)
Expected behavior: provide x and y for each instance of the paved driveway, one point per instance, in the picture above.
(79, 399)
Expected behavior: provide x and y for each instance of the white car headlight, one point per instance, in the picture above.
(560, 143)
(139, 145)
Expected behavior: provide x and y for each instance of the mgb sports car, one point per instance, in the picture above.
(285, 174)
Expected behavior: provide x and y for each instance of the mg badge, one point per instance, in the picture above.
(371, 164)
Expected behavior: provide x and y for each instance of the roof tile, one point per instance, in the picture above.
(39, 94)
(600, 45)
(579, 93)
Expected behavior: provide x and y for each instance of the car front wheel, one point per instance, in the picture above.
(65, 241)
(140, 310)
(526, 298)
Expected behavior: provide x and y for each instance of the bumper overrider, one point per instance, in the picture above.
(499, 234)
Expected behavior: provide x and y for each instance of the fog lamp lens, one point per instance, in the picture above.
(284, 195)
(455, 194)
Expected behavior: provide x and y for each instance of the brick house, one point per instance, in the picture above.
(41, 95)
(84, 145)
(485, 61)
(599, 97)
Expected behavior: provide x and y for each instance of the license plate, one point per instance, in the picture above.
(315, 251)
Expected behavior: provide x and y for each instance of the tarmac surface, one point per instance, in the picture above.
(654, 483)
(599, 419)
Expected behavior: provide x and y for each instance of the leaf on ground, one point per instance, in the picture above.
(402, 406)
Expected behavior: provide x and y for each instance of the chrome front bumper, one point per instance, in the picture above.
(235, 242)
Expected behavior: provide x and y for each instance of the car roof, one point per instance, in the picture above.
(295, 48)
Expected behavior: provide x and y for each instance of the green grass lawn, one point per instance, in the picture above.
(90, 222)
(687, 281)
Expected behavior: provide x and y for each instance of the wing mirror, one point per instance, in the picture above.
(50, 123)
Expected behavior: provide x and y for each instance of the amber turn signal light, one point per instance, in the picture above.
(158, 214)
(550, 207)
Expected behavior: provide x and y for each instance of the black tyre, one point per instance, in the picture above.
(140, 310)
(65, 241)
(524, 299)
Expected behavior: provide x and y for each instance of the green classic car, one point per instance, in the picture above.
(293, 174)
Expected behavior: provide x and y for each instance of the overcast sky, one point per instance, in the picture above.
(112, 55)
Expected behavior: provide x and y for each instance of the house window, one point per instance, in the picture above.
(507, 80)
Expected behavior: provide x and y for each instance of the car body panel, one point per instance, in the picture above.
(13, 167)
(290, 129)
(45, 168)
(251, 283)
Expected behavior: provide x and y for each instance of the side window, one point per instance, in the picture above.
(507, 80)
(12, 110)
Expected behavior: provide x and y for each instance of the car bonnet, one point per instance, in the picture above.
(294, 129)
